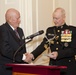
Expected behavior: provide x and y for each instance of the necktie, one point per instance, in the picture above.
(17, 33)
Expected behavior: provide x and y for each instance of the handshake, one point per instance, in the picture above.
(28, 57)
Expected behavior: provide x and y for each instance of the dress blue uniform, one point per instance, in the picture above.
(63, 40)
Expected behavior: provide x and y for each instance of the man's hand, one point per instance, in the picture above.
(29, 57)
(53, 55)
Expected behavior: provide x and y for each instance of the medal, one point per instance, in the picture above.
(66, 44)
(66, 36)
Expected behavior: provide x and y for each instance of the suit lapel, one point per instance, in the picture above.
(12, 33)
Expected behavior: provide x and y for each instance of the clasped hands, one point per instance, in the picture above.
(29, 57)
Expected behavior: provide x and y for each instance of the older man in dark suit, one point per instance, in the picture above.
(11, 38)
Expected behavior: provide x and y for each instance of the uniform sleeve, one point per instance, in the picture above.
(40, 48)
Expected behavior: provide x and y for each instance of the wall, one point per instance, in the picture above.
(37, 15)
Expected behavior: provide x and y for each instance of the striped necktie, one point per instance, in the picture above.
(17, 34)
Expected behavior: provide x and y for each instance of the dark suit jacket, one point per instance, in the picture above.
(9, 44)
(66, 50)
(10, 48)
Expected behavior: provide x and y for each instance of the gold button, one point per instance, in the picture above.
(57, 42)
(57, 37)
(69, 60)
(56, 48)
(58, 30)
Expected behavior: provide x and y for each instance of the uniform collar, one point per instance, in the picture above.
(60, 27)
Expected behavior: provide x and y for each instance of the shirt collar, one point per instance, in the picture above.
(12, 27)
